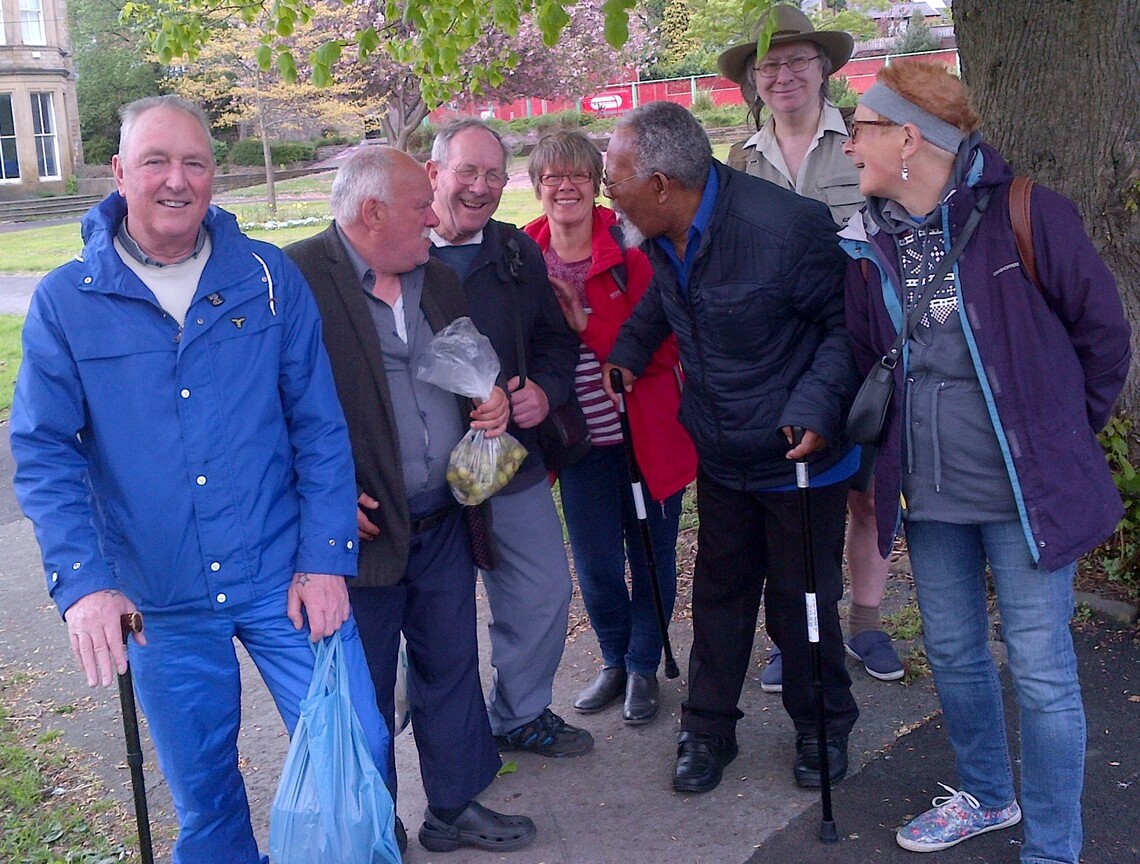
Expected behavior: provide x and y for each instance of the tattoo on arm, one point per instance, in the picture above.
(302, 578)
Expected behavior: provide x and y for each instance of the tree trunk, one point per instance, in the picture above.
(406, 110)
(266, 150)
(1057, 84)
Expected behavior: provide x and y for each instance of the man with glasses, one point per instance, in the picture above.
(748, 277)
(800, 148)
(511, 302)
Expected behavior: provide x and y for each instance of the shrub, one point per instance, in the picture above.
(1120, 554)
(221, 150)
(249, 152)
(99, 150)
(703, 102)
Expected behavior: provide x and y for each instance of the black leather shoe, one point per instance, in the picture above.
(701, 759)
(401, 836)
(607, 687)
(640, 698)
(477, 827)
(807, 760)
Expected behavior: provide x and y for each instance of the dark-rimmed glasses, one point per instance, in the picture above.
(771, 68)
(469, 175)
(578, 178)
(853, 126)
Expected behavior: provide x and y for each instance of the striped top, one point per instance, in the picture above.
(601, 415)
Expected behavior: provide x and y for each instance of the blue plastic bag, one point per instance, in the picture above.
(331, 805)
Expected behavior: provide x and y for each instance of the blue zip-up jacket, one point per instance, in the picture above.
(186, 467)
(1051, 361)
(760, 330)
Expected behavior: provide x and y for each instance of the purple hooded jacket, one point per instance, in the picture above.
(1051, 361)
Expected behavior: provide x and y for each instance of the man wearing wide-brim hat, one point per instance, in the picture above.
(800, 147)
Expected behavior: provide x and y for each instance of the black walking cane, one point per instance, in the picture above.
(618, 385)
(133, 623)
(827, 830)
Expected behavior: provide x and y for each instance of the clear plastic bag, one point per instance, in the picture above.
(331, 805)
(461, 360)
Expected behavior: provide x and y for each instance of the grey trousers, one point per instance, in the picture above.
(529, 594)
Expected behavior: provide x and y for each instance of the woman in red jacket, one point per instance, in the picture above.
(598, 282)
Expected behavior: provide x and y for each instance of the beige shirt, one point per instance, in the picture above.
(825, 174)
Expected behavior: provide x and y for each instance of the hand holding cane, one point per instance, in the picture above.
(133, 623)
(827, 829)
(671, 670)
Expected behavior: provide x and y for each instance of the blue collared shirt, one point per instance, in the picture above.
(696, 231)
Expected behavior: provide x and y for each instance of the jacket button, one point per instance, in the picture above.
(221, 598)
(215, 566)
(348, 545)
(185, 393)
(55, 577)
(200, 480)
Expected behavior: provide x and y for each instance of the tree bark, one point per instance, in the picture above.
(1057, 83)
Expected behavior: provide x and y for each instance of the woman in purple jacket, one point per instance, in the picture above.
(989, 452)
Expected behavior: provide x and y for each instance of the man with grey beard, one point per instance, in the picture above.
(749, 278)
(382, 299)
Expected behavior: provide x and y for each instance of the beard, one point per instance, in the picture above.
(630, 233)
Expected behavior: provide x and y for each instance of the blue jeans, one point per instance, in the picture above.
(1035, 605)
(188, 684)
(597, 503)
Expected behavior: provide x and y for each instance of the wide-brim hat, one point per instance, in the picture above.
(792, 25)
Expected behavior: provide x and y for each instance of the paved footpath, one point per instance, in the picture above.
(616, 804)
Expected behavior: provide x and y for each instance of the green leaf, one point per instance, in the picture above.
(510, 767)
(287, 66)
(264, 57)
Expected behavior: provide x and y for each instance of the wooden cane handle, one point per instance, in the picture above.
(132, 622)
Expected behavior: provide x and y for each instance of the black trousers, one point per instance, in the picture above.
(434, 605)
(749, 546)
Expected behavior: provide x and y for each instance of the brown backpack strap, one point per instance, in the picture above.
(1019, 216)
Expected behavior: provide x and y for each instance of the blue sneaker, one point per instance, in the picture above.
(874, 648)
(772, 678)
(954, 818)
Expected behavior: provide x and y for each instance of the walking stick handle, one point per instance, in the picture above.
(131, 622)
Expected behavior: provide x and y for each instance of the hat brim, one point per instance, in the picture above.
(836, 44)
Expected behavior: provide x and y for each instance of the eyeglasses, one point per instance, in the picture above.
(771, 68)
(468, 175)
(578, 178)
(608, 184)
(853, 126)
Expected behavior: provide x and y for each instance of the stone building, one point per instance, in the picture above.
(40, 146)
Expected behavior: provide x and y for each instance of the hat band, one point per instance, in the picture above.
(883, 100)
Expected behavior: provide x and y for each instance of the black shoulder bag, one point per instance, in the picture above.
(563, 436)
(869, 410)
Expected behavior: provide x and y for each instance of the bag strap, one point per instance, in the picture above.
(891, 358)
(1020, 217)
(514, 261)
(619, 272)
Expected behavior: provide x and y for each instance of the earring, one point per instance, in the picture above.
(905, 172)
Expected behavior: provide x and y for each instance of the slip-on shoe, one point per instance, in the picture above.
(701, 758)
(807, 760)
(607, 687)
(640, 698)
(478, 827)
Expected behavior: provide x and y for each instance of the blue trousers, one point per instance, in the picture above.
(434, 606)
(188, 684)
(597, 502)
(1035, 606)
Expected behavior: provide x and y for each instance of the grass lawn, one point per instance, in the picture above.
(10, 354)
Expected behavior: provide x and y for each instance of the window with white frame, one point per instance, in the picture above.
(9, 160)
(32, 22)
(43, 125)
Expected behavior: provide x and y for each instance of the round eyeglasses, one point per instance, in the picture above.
(469, 175)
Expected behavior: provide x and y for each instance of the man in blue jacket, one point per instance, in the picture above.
(181, 451)
(749, 277)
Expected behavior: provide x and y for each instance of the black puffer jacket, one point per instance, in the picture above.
(761, 332)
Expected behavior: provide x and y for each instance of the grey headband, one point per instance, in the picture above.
(883, 100)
